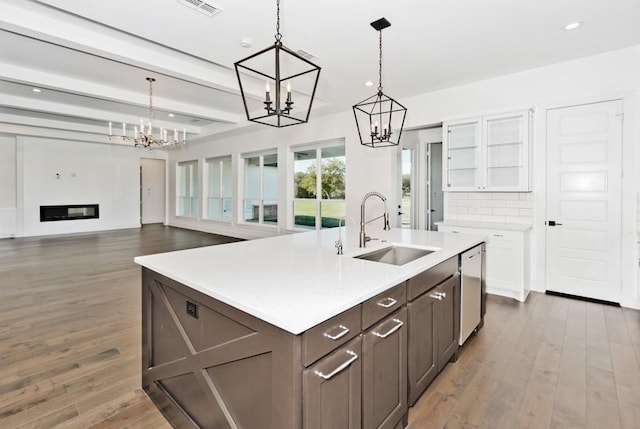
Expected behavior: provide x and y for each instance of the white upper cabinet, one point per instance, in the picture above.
(462, 170)
(488, 153)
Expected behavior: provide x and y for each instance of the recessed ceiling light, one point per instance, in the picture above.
(38, 90)
(368, 83)
(572, 26)
(246, 42)
(171, 115)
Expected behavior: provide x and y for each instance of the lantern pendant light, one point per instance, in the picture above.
(283, 71)
(379, 118)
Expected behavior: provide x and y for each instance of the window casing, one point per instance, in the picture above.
(319, 193)
(260, 200)
(219, 204)
(187, 189)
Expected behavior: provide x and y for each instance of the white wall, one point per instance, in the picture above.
(7, 186)
(108, 175)
(609, 75)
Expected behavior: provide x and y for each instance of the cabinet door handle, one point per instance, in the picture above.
(498, 235)
(399, 324)
(443, 294)
(387, 302)
(343, 331)
(436, 296)
(340, 368)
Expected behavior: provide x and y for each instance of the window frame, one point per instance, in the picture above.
(318, 200)
(261, 192)
(192, 194)
(224, 194)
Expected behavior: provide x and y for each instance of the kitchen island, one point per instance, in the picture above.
(284, 333)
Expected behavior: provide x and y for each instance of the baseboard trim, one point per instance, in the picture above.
(582, 298)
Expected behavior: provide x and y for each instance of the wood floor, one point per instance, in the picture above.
(70, 347)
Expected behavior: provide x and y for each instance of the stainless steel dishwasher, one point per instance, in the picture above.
(470, 291)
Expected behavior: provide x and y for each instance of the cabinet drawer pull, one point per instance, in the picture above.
(387, 302)
(340, 368)
(498, 235)
(344, 331)
(399, 324)
(436, 296)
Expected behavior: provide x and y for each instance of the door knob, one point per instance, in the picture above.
(553, 223)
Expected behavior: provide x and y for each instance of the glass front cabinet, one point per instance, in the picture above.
(488, 153)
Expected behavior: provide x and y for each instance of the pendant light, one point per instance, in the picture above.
(289, 81)
(379, 118)
(145, 137)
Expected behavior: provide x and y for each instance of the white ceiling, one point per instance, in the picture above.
(91, 57)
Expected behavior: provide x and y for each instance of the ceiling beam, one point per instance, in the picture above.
(62, 109)
(65, 84)
(86, 36)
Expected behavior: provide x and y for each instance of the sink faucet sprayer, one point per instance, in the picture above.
(342, 222)
(363, 236)
(339, 242)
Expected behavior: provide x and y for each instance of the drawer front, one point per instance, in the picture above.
(424, 281)
(323, 338)
(387, 302)
(457, 229)
(500, 235)
(332, 390)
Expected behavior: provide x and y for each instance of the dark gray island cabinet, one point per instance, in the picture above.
(207, 364)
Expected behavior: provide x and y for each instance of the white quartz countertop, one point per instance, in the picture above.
(487, 225)
(297, 281)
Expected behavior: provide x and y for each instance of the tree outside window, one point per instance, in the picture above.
(319, 194)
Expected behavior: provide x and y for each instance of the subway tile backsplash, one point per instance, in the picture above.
(503, 207)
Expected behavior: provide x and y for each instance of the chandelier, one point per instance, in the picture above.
(144, 137)
(379, 118)
(282, 70)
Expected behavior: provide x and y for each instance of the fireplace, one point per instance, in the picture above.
(69, 212)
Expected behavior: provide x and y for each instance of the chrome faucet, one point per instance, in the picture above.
(363, 236)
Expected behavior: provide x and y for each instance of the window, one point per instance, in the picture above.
(319, 193)
(219, 189)
(187, 189)
(260, 203)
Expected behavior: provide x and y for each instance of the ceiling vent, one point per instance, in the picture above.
(206, 8)
(306, 55)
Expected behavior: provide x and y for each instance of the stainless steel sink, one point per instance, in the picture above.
(395, 255)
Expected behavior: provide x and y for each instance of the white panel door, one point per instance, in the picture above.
(152, 191)
(584, 169)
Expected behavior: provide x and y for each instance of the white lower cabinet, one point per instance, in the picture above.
(507, 258)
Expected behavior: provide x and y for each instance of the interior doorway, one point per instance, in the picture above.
(584, 200)
(435, 195)
(152, 191)
(420, 199)
(406, 208)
